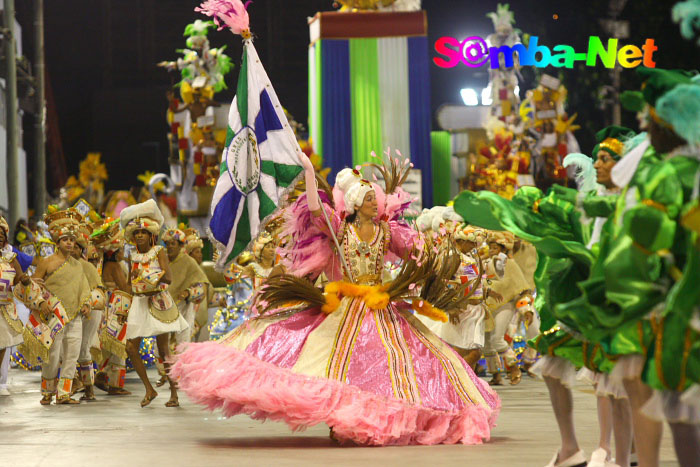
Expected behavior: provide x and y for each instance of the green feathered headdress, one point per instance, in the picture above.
(656, 82)
(611, 139)
(680, 108)
(687, 15)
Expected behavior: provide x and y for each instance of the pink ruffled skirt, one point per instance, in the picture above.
(375, 377)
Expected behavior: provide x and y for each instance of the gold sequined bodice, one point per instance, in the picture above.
(365, 259)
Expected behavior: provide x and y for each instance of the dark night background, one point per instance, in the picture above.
(110, 97)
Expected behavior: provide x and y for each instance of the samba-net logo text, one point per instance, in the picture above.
(475, 52)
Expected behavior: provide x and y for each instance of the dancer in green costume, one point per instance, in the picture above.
(643, 293)
(560, 225)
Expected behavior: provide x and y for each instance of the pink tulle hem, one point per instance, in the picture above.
(222, 377)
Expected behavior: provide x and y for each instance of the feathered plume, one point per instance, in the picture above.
(394, 172)
(284, 290)
(681, 108)
(585, 173)
(324, 186)
(231, 13)
(309, 250)
(437, 289)
(635, 141)
(412, 275)
(687, 14)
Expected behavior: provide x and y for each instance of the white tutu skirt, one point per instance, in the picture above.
(8, 338)
(674, 407)
(557, 368)
(691, 396)
(141, 323)
(628, 367)
(603, 383)
(469, 332)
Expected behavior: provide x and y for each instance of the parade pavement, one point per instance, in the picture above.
(115, 431)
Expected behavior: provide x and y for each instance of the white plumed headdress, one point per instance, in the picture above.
(355, 195)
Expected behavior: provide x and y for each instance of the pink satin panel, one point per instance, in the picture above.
(369, 365)
(435, 387)
(489, 395)
(281, 343)
(417, 347)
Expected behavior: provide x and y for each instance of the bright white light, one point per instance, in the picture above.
(486, 96)
(517, 90)
(469, 96)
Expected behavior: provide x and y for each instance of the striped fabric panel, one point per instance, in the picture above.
(420, 115)
(335, 107)
(393, 92)
(403, 377)
(365, 101)
(447, 365)
(345, 339)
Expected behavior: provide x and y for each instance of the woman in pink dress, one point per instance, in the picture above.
(360, 362)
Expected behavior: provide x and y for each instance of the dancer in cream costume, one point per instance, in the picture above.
(190, 288)
(153, 311)
(59, 297)
(510, 285)
(466, 332)
(92, 321)
(10, 275)
(109, 241)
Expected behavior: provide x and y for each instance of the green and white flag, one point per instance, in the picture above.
(260, 163)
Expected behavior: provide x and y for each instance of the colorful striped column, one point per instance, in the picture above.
(369, 88)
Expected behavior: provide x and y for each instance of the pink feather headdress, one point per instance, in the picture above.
(231, 13)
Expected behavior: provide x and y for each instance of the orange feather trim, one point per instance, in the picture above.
(424, 308)
(374, 296)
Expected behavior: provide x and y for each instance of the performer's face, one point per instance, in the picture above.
(173, 247)
(77, 251)
(197, 255)
(142, 238)
(465, 246)
(494, 248)
(603, 166)
(662, 138)
(369, 205)
(267, 255)
(516, 245)
(66, 245)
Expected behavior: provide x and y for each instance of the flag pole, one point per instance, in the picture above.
(335, 239)
(233, 13)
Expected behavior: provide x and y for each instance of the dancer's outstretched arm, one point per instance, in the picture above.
(310, 179)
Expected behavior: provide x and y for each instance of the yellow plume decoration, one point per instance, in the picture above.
(562, 126)
(374, 296)
(146, 179)
(424, 308)
(186, 92)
